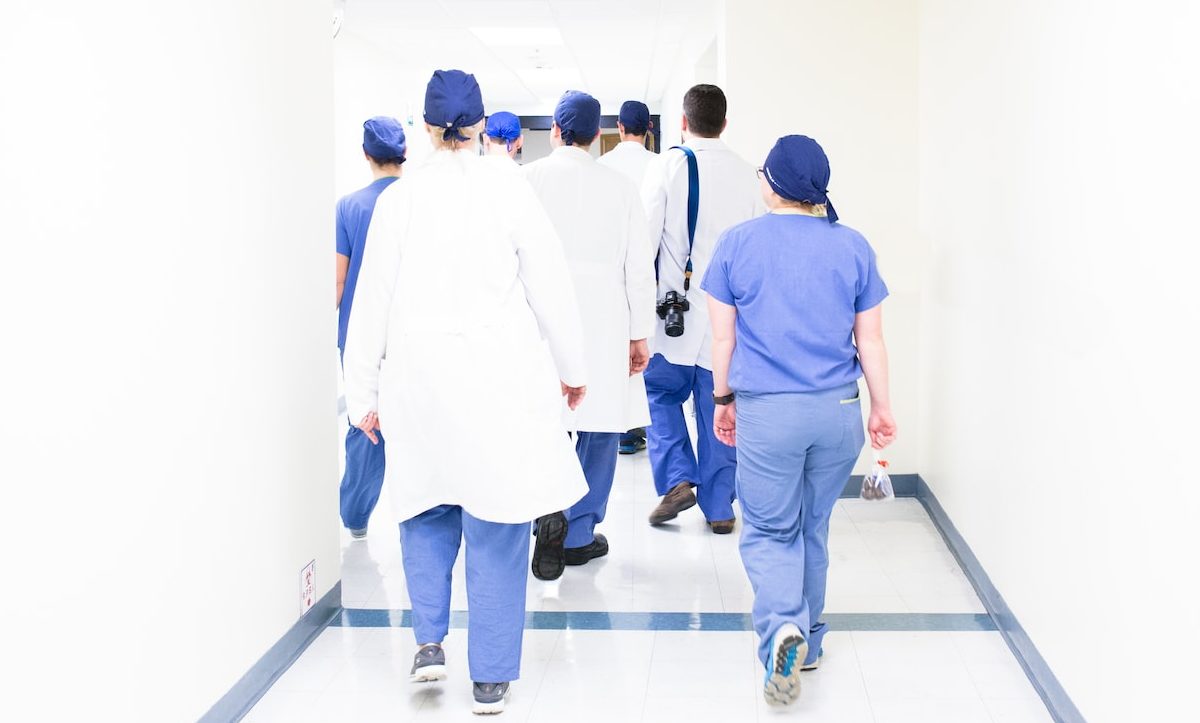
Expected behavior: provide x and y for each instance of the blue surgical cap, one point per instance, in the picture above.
(503, 125)
(453, 101)
(635, 116)
(383, 138)
(577, 114)
(798, 170)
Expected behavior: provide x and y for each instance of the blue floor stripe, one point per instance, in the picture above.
(548, 620)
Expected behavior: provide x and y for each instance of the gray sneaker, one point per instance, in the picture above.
(358, 534)
(489, 698)
(429, 664)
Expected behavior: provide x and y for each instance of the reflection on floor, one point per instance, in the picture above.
(893, 664)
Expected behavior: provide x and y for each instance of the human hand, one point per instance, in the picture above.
(574, 395)
(882, 427)
(639, 356)
(368, 425)
(725, 423)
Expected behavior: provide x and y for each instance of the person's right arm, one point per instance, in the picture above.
(872, 355)
(343, 251)
(549, 290)
(343, 267)
(366, 335)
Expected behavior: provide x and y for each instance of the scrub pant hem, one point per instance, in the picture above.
(497, 564)
(362, 480)
(669, 443)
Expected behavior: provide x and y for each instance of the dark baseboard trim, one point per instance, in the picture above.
(235, 704)
(904, 485)
(1036, 669)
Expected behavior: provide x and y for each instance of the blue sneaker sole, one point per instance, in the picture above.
(782, 686)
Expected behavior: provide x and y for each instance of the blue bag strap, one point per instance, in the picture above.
(693, 209)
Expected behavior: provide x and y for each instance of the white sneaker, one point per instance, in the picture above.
(788, 650)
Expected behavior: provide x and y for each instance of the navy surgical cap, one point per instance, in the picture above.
(503, 125)
(798, 170)
(453, 101)
(635, 116)
(577, 114)
(383, 138)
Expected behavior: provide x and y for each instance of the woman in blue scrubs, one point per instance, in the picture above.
(794, 298)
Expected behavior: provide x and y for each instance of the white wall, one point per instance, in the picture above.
(1058, 160)
(845, 74)
(168, 427)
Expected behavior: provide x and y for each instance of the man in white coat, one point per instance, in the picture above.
(599, 217)
(630, 158)
(728, 194)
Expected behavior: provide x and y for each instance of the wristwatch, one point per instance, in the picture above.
(727, 399)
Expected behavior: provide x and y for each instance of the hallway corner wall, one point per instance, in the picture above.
(1058, 153)
(845, 74)
(168, 428)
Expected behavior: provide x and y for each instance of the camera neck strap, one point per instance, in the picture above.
(693, 209)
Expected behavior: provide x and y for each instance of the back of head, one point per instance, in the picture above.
(453, 108)
(384, 141)
(578, 118)
(635, 116)
(704, 107)
(503, 126)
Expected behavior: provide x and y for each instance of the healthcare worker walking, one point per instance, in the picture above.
(681, 365)
(502, 136)
(384, 147)
(795, 299)
(598, 215)
(465, 322)
(631, 158)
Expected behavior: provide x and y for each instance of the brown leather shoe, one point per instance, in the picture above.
(680, 498)
(722, 527)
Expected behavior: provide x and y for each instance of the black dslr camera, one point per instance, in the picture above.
(671, 308)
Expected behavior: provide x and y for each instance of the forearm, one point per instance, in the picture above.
(341, 287)
(722, 354)
(872, 355)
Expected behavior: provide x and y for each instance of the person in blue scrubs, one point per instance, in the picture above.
(384, 148)
(794, 300)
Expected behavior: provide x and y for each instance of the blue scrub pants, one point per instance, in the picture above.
(670, 447)
(497, 569)
(363, 478)
(598, 456)
(795, 454)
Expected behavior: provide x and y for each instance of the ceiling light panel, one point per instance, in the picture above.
(507, 37)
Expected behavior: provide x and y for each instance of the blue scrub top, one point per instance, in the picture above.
(797, 283)
(353, 218)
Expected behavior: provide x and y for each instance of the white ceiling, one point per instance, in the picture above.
(525, 53)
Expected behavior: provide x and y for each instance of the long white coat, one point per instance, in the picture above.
(599, 217)
(464, 322)
(629, 158)
(729, 195)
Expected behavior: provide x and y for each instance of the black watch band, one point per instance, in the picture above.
(727, 399)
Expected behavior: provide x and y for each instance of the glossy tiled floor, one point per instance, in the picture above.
(887, 557)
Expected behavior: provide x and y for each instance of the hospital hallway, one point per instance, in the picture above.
(980, 215)
(658, 631)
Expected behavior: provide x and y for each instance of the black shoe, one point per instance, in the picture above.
(581, 555)
(548, 559)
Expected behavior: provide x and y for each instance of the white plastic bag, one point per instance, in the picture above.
(877, 485)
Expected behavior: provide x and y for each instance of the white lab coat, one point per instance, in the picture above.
(729, 195)
(464, 322)
(630, 159)
(599, 217)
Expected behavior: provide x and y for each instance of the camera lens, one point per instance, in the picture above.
(674, 326)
